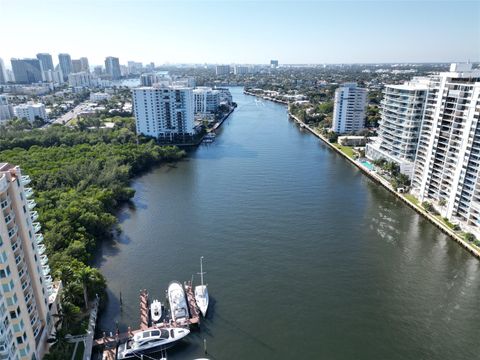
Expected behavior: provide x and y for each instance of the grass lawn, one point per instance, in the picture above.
(411, 198)
(347, 150)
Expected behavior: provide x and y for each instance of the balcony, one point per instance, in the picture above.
(34, 215)
(36, 227)
(45, 270)
(28, 192)
(48, 279)
(31, 204)
(38, 238)
(41, 249)
(43, 259)
(26, 179)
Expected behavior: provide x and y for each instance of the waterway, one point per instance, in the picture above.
(306, 258)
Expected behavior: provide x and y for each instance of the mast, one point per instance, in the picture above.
(201, 269)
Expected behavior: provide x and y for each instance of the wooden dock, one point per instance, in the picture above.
(110, 343)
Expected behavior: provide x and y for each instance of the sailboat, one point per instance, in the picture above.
(201, 292)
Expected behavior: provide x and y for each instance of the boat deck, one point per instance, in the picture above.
(110, 343)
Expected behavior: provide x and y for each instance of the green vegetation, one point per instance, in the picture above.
(80, 176)
(469, 237)
(411, 198)
(397, 179)
(347, 150)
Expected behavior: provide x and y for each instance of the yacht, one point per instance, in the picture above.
(178, 302)
(201, 292)
(150, 341)
(156, 311)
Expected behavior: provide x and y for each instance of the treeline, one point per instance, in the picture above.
(79, 178)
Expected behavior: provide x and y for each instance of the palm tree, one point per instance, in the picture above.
(86, 276)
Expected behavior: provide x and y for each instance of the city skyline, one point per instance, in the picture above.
(245, 32)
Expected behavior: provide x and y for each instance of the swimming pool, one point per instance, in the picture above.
(367, 164)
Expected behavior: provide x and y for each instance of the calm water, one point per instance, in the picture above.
(305, 257)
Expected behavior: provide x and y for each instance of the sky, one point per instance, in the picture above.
(242, 32)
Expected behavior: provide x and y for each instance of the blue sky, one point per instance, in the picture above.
(243, 31)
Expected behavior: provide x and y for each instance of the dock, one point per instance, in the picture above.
(110, 343)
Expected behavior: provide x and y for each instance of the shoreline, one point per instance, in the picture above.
(381, 181)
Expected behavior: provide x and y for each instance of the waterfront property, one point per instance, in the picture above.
(279, 214)
(28, 294)
(349, 109)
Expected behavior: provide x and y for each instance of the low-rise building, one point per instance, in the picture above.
(6, 110)
(31, 111)
(99, 96)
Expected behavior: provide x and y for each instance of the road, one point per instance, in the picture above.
(65, 118)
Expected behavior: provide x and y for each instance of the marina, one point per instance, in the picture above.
(115, 346)
(296, 228)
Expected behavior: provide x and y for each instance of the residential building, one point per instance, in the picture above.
(112, 68)
(27, 288)
(222, 70)
(30, 111)
(3, 74)
(65, 62)
(241, 70)
(27, 71)
(82, 79)
(53, 76)
(134, 68)
(401, 118)
(98, 70)
(99, 96)
(147, 79)
(76, 66)
(6, 110)
(164, 112)
(45, 61)
(84, 65)
(206, 100)
(447, 163)
(349, 108)
(274, 64)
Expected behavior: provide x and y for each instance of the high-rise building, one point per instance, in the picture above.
(222, 69)
(447, 163)
(3, 74)
(98, 70)
(82, 79)
(401, 117)
(76, 66)
(65, 62)
(27, 288)
(6, 110)
(164, 112)
(206, 100)
(112, 67)
(27, 71)
(349, 108)
(274, 64)
(134, 67)
(46, 61)
(84, 64)
(30, 111)
(241, 70)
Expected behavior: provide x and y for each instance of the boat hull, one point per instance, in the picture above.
(178, 301)
(201, 298)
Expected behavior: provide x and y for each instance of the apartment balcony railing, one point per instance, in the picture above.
(34, 215)
(41, 249)
(31, 204)
(26, 179)
(38, 238)
(43, 259)
(28, 192)
(48, 279)
(36, 227)
(46, 270)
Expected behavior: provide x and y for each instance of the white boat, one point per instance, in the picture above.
(201, 292)
(156, 311)
(178, 302)
(150, 341)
